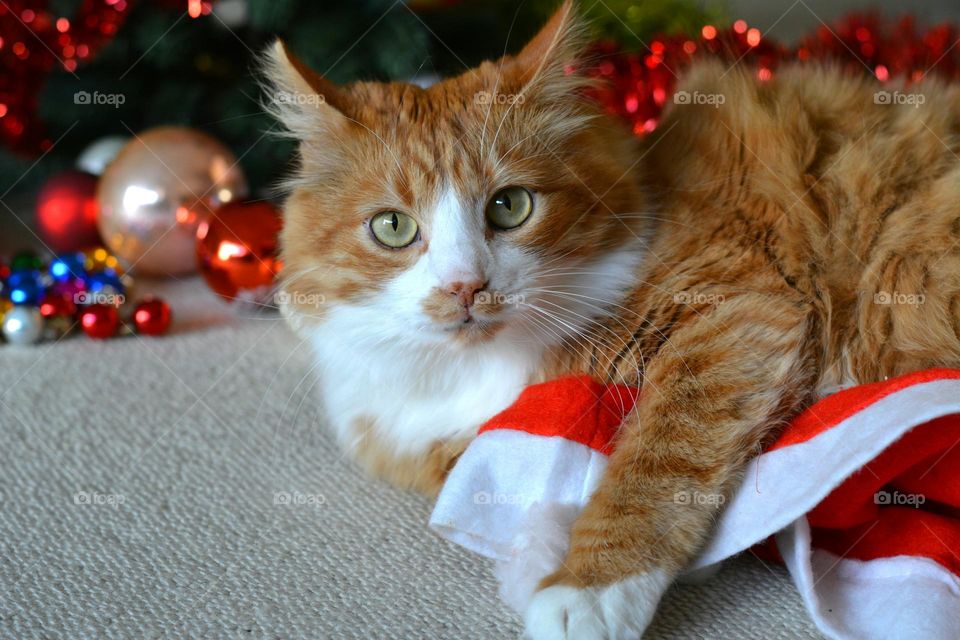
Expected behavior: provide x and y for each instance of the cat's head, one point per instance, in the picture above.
(498, 201)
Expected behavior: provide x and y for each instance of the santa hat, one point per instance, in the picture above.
(860, 494)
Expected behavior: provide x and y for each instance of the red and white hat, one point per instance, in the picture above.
(860, 495)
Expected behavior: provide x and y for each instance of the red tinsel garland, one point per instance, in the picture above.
(636, 86)
(33, 41)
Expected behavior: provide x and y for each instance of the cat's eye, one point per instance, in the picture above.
(394, 229)
(510, 207)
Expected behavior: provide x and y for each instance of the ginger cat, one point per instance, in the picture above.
(496, 230)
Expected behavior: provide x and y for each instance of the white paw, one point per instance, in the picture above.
(620, 611)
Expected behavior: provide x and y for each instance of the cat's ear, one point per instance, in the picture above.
(305, 102)
(544, 65)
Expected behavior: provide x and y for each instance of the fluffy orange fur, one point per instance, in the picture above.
(804, 237)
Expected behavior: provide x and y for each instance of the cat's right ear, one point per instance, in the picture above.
(305, 102)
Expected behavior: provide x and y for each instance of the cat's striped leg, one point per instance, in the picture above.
(710, 398)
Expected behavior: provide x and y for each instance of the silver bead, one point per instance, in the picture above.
(22, 325)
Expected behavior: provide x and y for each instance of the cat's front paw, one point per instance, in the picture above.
(618, 611)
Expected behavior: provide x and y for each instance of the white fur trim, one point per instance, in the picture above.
(484, 502)
(903, 597)
(539, 550)
(781, 486)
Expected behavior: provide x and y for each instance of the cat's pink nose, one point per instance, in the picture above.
(466, 292)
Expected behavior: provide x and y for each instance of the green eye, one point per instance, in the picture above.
(510, 207)
(393, 229)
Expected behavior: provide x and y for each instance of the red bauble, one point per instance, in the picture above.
(67, 212)
(152, 317)
(237, 250)
(57, 305)
(100, 321)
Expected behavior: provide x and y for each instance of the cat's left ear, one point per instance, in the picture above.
(544, 65)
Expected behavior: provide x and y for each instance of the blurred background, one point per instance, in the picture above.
(75, 73)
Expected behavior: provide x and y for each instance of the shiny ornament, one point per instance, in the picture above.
(55, 305)
(105, 281)
(26, 261)
(75, 289)
(152, 317)
(99, 258)
(97, 155)
(58, 313)
(163, 184)
(237, 251)
(67, 212)
(68, 266)
(25, 287)
(100, 321)
(22, 325)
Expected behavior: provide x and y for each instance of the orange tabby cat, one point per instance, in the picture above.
(495, 229)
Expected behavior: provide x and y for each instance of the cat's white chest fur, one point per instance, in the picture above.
(377, 373)
(415, 398)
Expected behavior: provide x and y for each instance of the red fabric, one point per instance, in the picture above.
(906, 501)
(577, 408)
(834, 409)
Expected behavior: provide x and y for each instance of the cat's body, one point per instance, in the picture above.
(799, 237)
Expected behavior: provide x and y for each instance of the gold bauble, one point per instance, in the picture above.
(157, 191)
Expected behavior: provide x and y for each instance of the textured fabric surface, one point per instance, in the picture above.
(186, 487)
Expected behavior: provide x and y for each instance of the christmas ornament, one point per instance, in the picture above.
(152, 317)
(54, 292)
(68, 267)
(158, 190)
(100, 321)
(26, 261)
(22, 325)
(67, 211)
(25, 287)
(75, 289)
(95, 158)
(100, 258)
(58, 313)
(105, 281)
(237, 251)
